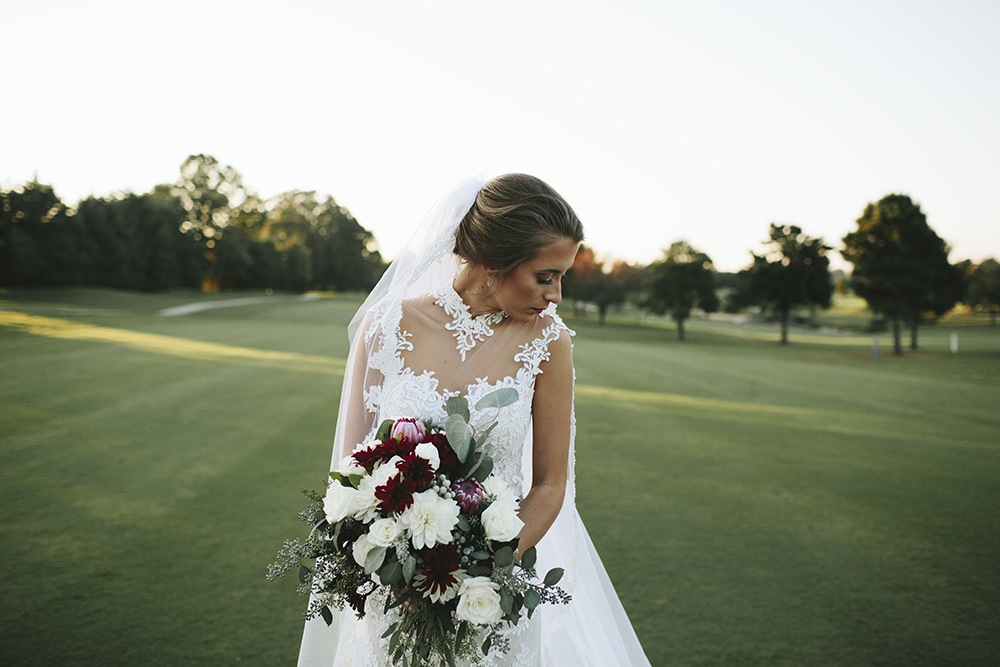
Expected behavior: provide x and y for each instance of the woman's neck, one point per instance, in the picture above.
(471, 287)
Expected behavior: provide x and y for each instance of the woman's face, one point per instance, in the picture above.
(537, 282)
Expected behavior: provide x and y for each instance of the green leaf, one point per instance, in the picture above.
(385, 429)
(327, 615)
(409, 568)
(457, 405)
(392, 629)
(355, 480)
(305, 574)
(391, 572)
(463, 524)
(480, 555)
(459, 434)
(503, 557)
(531, 598)
(528, 559)
(463, 629)
(394, 642)
(484, 469)
(498, 399)
(486, 645)
(374, 559)
(553, 576)
(476, 461)
(479, 571)
(506, 601)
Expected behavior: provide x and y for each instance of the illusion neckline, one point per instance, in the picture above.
(468, 328)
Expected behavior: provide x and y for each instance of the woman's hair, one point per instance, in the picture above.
(513, 218)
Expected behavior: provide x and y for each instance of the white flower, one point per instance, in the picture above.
(384, 532)
(361, 548)
(339, 502)
(428, 451)
(366, 506)
(500, 521)
(430, 519)
(348, 466)
(479, 601)
(493, 486)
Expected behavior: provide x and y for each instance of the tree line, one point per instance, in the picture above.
(205, 231)
(900, 268)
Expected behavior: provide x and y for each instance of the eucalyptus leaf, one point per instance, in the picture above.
(457, 405)
(484, 469)
(463, 523)
(528, 558)
(409, 568)
(506, 601)
(457, 430)
(504, 557)
(374, 559)
(355, 480)
(480, 554)
(518, 603)
(500, 398)
(487, 644)
(390, 630)
(479, 571)
(385, 429)
(478, 459)
(463, 628)
(327, 615)
(304, 574)
(531, 598)
(391, 572)
(553, 576)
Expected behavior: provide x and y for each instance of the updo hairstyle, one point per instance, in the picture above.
(513, 218)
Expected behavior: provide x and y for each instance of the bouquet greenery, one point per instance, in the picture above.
(419, 515)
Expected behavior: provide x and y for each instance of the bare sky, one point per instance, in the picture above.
(657, 120)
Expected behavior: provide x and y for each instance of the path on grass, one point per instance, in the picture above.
(198, 306)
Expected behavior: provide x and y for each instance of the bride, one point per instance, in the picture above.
(469, 307)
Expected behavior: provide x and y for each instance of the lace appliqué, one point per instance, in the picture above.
(468, 329)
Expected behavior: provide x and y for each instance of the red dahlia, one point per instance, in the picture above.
(396, 495)
(441, 563)
(416, 469)
(447, 454)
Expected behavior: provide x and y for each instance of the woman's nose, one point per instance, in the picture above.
(554, 294)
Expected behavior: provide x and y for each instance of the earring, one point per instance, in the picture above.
(489, 281)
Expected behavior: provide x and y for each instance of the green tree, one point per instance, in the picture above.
(794, 271)
(590, 282)
(40, 239)
(984, 288)
(901, 265)
(683, 280)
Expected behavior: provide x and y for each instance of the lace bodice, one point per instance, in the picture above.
(404, 393)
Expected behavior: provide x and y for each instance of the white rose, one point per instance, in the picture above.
(496, 487)
(430, 519)
(348, 466)
(384, 532)
(479, 601)
(428, 451)
(339, 502)
(500, 521)
(361, 548)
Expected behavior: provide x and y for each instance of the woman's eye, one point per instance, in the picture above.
(545, 281)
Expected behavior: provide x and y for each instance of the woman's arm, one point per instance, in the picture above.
(551, 412)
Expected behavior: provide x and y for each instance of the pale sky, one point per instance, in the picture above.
(657, 121)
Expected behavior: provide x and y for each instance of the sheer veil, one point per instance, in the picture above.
(593, 629)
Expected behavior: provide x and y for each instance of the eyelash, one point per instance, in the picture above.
(542, 281)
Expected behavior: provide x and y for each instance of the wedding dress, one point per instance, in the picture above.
(410, 353)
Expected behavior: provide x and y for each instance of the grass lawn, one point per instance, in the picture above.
(754, 505)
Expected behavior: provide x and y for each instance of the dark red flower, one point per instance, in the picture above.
(396, 495)
(417, 470)
(447, 454)
(381, 453)
(440, 565)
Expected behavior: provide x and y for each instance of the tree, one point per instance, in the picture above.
(684, 279)
(984, 288)
(901, 265)
(795, 271)
(40, 239)
(588, 282)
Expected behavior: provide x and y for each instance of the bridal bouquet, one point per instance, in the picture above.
(418, 517)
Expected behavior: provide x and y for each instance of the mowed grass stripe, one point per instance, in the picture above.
(180, 347)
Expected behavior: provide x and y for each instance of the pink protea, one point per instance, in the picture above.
(468, 495)
(409, 431)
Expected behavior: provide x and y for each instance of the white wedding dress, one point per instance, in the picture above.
(483, 354)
